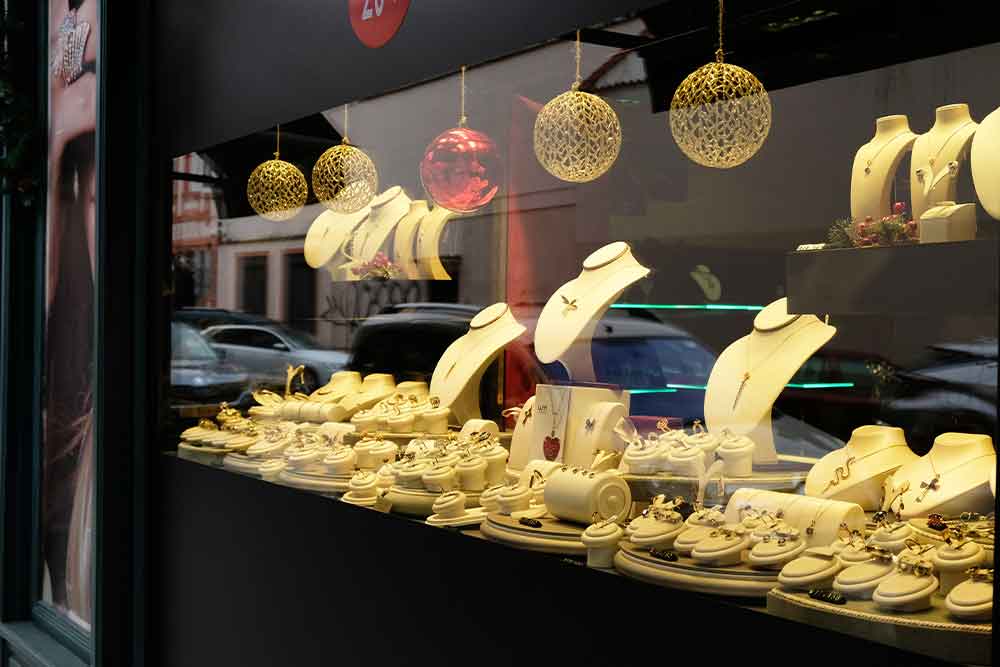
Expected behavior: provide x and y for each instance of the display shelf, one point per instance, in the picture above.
(930, 632)
(918, 279)
(554, 536)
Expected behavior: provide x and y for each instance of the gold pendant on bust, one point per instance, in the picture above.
(931, 161)
(868, 168)
(739, 392)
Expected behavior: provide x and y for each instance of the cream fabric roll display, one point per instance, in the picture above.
(580, 495)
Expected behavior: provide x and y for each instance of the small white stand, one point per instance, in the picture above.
(937, 157)
(567, 322)
(875, 166)
(985, 163)
(520, 441)
(960, 463)
(387, 209)
(855, 474)
(823, 516)
(458, 373)
(948, 221)
(750, 374)
(326, 236)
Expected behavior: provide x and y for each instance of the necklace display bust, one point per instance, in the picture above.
(985, 163)
(327, 234)
(406, 232)
(952, 478)
(749, 374)
(875, 166)
(856, 473)
(937, 156)
(567, 322)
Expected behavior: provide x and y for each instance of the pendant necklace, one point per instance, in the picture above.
(748, 373)
(843, 472)
(934, 483)
(951, 136)
(552, 444)
(869, 161)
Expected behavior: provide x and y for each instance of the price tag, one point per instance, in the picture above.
(375, 22)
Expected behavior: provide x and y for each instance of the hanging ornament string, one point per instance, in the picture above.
(461, 113)
(347, 121)
(277, 142)
(719, 51)
(579, 58)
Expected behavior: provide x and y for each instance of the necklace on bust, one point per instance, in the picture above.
(748, 373)
(869, 161)
(932, 159)
(934, 483)
(843, 472)
(552, 443)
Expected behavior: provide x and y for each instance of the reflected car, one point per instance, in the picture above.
(199, 374)
(267, 349)
(201, 317)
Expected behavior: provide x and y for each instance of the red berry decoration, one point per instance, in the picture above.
(550, 447)
(461, 170)
(898, 207)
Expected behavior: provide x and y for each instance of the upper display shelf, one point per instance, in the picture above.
(952, 278)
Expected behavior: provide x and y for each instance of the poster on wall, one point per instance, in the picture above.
(375, 22)
(67, 490)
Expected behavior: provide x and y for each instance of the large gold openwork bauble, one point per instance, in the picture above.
(277, 190)
(577, 136)
(344, 179)
(720, 115)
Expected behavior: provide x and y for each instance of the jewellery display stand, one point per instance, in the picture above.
(926, 535)
(520, 442)
(461, 367)
(937, 157)
(750, 374)
(327, 234)
(552, 536)
(819, 520)
(875, 166)
(420, 502)
(856, 473)
(785, 477)
(577, 446)
(985, 163)
(429, 243)
(374, 388)
(402, 243)
(931, 632)
(947, 221)
(387, 209)
(952, 478)
(567, 322)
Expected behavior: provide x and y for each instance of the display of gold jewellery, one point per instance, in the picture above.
(71, 45)
(783, 534)
(879, 553)
(577, 135)
(984, 574)
(344, 177)
(918, 567)
(208, 424)
(276, 189)
(736, 533)
(720, 114)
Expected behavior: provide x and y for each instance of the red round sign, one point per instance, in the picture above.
(375, 22)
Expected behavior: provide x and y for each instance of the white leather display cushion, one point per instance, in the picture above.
(971, 601)
(860, 581)
(905, 592)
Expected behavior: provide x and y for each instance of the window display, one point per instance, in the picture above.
(687, 375)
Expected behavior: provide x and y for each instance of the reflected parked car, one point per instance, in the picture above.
(199, 374)
(266, 350)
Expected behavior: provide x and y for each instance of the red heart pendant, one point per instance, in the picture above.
(551, 448)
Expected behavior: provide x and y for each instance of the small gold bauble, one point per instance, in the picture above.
(720, 115)
(344, 179)
(277, 190)
(577, 136)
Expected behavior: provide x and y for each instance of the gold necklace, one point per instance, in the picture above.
(843, 472)
(934, 483)
(747, 374)
(951, 136)
(868, 164)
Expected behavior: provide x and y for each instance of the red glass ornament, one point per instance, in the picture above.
(461, 170)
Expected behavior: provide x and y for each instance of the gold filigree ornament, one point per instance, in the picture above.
(577, 135)
(344, 177)
(720, 115)
(277, 190)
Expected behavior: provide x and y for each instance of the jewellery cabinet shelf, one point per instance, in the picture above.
(955, 278)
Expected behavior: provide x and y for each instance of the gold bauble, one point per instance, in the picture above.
(720, 115)
(277, 190)
(344, 179)
(577, 136)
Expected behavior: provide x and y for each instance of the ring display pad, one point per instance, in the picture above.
(327, 485)
(402, 242)
(212, 456)
(734, 580)
(576, 446)
(932, 632)
(554, 536)
(420, 502)
(458, 373)
(567, 322)
(856, 473)
(926, 535)
(952, 478)
(985, 163)
(750, 374)
(875, 166)
(937, 157)
(429, 243)
(785, 476)
(824, 517)
(403, 439)
(327, 234)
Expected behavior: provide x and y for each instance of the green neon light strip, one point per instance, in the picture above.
(652, 391)
(686, 306)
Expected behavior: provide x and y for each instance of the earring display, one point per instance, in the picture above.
(577, 135)
(344, 178)
(720, 115)
(276, 189)
(461, 167)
